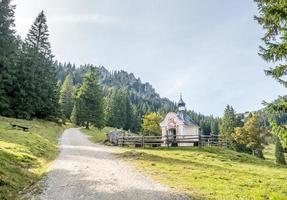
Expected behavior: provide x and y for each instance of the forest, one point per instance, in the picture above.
(56, 118)
(33, 85)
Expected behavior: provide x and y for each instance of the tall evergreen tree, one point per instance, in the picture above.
(273, 18)
(228, 123)
(135, 119)
(37, 95)
(66, 97)
(227, 128)
(214, 127)
(89, 103)
(8, 48)
(38, 36)
(118, 110)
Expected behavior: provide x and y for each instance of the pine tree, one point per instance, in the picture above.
(135, 119)
(38, 36)
(37, 94)
(228, 123)
(66, 97)
(214, 127)
(118, 110)
(90, 101)
(279, 152)
(8, 56)
(272, 17)
(25, 92)
(227, 127)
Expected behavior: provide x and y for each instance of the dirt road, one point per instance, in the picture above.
(85, 170)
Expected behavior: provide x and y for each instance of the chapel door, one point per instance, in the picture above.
(172, 133)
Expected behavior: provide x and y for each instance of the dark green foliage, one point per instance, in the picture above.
(36, 91)
(142, 98)
(38, 35)
(214, 127)
(89, 102)
(8, 55)
(28, 84)
(118, 110)
(279, 152)
(228, 124)
(273, 18)
(140, 94)
(208, 124)
(66, 97)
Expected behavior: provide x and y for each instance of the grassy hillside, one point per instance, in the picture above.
(211, 172)
(24, 156)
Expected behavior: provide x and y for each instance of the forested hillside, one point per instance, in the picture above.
(142, 96)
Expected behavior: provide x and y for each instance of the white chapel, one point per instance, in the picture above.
(180, 123)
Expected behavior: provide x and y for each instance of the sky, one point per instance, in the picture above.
(207, 50)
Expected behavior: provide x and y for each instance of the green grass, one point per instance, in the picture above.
(209, 172)
(212, 172)
(24, 156)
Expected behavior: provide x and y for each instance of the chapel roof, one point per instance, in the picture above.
(183, 116)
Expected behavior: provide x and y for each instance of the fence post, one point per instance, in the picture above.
(199, 140)
(142, 141)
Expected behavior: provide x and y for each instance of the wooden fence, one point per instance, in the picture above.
(196, 140)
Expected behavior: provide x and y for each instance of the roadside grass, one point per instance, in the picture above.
(208, 172)
(24, 156)
(212, 172)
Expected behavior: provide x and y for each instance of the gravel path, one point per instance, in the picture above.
(85, 170)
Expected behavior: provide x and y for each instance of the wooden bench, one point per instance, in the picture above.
(24, 128)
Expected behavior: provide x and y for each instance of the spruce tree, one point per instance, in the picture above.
(37, 96)
(118, 110)
(90, 101)
(228, 124)
(279, 152)
(214, 127)
(66, 97)
(227, 127)
(38, 36)
(8, 56)
(272, 17)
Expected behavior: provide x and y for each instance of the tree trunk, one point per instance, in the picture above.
(87, 125)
